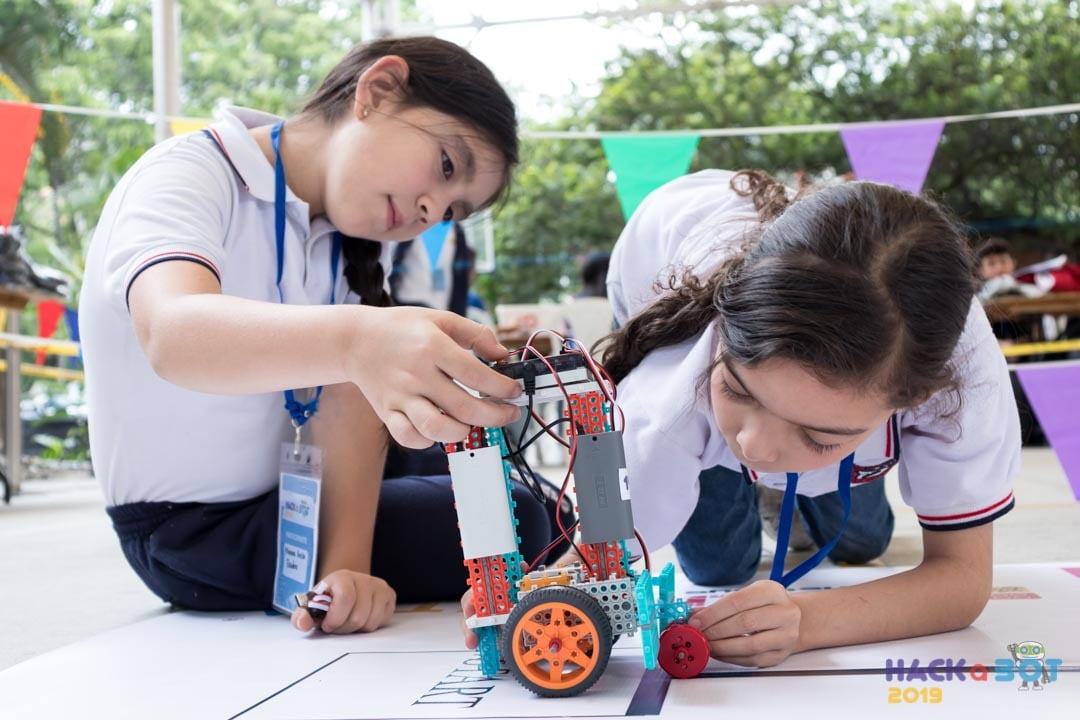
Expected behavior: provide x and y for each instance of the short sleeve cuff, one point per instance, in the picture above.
(166, 256)
(962, 521)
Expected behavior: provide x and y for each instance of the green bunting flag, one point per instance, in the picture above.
(642, 164)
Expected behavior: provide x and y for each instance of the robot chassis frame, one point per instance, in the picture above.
(555, 627)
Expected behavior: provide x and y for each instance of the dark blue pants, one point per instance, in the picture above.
(221, 556)
(721, 543)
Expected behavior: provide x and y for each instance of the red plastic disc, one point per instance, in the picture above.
(684, 651)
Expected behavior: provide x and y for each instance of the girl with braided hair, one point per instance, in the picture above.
(809, 343)
(234, 264)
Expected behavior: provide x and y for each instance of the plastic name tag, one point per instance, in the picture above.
(298, 523)
(438, 280)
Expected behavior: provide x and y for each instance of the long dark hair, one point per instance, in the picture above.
(860, 283)
(442, 76)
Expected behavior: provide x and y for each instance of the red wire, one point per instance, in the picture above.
(562, 494)
(572, 433)
(604, 381)
(549, 431)
(555, 375)
(607, 386)
(644, 550)
(546, 550)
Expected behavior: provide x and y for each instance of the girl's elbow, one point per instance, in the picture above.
(154, 339)
(970, 611)
(162, 362)
(971, 605)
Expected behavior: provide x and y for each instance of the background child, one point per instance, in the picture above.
(815, 342)
(994, 267)
(205, 297)
(997, 273)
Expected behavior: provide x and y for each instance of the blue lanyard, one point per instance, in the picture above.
(787, 512)
(299, 412)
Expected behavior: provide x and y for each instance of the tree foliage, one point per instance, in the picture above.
(98, 53)
(835, 61)
(821, 61)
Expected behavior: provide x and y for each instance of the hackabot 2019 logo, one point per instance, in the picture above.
(1033, 665)
(296, 508)
(1027, 664)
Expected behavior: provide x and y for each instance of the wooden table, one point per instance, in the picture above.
(1011, 307)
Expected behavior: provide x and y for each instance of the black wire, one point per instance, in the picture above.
(537, 436)
(525, 425)
(528, 477)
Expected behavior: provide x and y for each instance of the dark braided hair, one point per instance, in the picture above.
(860, 283)
(364, 272)
(442, 76)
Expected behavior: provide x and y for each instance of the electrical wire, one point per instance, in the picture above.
(607, 387)
(528, 478)
(549, 548)
(644, 550)
(537, 436)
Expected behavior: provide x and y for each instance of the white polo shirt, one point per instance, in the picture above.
(955, 472)
(208, 201)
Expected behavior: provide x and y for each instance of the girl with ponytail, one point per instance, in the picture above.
(808, 343)
(236, 263)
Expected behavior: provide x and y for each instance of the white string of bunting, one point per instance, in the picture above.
(703, 132)
(149, 118)
(793, 129)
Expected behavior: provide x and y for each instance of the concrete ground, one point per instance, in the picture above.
(65, 579)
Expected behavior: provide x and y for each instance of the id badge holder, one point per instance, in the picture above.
(438, 280)
(299, 488)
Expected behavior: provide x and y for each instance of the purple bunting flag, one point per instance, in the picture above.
(899, 155)
(1054, 394)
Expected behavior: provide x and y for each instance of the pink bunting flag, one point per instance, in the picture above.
(1054, 394)
(899, 155)
(49, 313)
(18, 130)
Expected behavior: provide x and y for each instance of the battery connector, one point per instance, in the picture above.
(528, 379)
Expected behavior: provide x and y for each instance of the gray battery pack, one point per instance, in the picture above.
(603, 495)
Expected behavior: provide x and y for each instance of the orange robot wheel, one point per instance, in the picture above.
(557, 641)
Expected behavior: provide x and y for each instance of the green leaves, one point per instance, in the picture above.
(830, 61)
(824, 61)
(98, 53)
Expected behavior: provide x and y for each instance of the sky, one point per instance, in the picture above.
(542, 63)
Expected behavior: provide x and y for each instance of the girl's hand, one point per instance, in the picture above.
(361, 603)
(406, 361)
(568, 558)
(756, 626)
(467, 611)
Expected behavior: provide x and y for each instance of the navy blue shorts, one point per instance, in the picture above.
(221, 556)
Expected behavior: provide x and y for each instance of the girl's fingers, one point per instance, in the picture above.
(467, 611)
(343, 593)
(388, 611)
(471, 336)
(404, 432)
(301, 620)
(445, 412)
(362, 611)
(758, 594)
(749, 622)
(750, 646)
(461, 405)
(768, 659)
(430, 422)
(474, 374)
